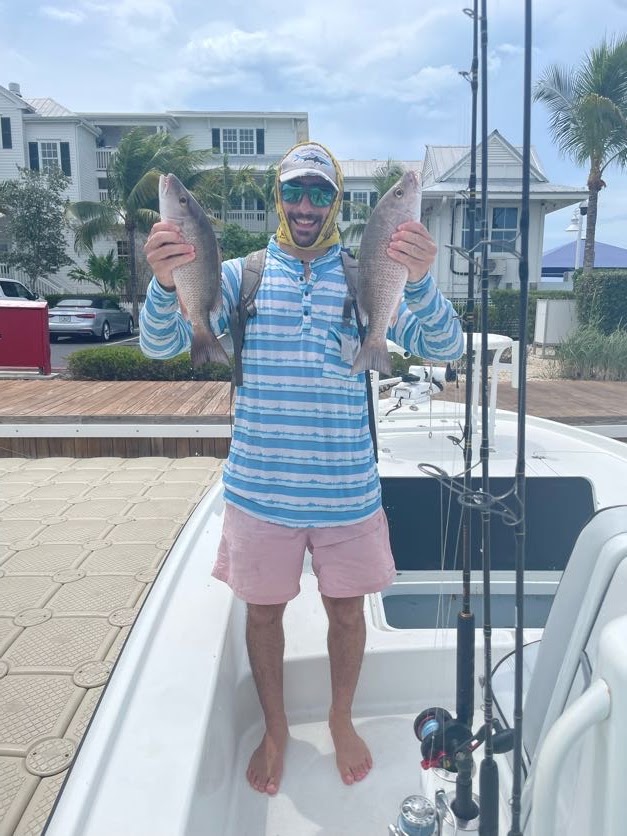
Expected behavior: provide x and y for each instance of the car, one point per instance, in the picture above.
(89, 317)
(12, 289)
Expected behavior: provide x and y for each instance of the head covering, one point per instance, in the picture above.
(310, 159)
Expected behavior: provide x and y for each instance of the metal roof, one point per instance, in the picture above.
(605, 255)
(366, 169)
(50, 108)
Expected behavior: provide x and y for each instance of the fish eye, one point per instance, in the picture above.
(398, 192)
(182, 200)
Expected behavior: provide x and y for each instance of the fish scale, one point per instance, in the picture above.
(381, 279)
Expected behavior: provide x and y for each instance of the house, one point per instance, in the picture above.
(40, 133)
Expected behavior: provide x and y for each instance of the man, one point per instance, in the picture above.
(301, 471)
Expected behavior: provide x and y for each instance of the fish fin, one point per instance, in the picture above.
(206, 348)
(372, 355)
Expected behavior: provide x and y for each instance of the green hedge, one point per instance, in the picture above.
(602, 299)
(504, 314)
(128, 363)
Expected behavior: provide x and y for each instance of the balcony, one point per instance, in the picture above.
(103, 158)
(252, 220)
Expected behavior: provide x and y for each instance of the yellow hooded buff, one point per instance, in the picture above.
(310, 159)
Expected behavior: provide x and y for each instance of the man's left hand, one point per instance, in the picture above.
(412, 246)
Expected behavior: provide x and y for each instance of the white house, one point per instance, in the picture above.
(40, 133)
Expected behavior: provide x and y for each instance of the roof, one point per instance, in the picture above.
(563, 257)
(50, 108)
(366, 169)
(15, 98)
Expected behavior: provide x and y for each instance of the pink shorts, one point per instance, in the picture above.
(262, 562)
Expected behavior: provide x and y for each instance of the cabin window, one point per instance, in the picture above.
(124, 254)
(358, 199)
(466, 242)
(48, 155)
(504, 228)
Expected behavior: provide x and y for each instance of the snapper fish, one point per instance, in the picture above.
(198, 281)
(381, 279)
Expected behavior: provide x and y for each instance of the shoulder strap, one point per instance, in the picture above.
(252, 273)
(351, 273)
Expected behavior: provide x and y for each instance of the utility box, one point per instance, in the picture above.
(24, 335)
(556, 319)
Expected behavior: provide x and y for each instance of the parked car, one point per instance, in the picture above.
(96, 317)
(12, 289)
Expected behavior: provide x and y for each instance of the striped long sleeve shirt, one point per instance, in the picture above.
(301, 453)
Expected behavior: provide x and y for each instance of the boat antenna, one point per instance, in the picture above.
(465, 617)
(519, 531)
(488, 773)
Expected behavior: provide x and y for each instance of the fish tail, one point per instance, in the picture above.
(206, 348)
(373, 355)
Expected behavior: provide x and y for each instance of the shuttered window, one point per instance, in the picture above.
(243, 142)
(6, 140)
(45, 156)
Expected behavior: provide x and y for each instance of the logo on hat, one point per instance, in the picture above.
(308, 161)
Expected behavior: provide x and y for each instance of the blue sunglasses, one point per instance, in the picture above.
(318, 195)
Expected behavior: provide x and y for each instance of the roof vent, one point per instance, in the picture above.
(14, 87)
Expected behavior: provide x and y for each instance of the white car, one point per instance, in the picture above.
(12, 289)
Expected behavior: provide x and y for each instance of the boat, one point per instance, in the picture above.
(166, 751)
(167, 748)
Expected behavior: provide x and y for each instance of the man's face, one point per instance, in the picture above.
(304, 219)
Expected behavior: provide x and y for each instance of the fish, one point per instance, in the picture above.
(381, 280)
(198, 281)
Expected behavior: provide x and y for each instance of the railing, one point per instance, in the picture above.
(103, 158)
(42, 286)
(253, 220)
(103, 195)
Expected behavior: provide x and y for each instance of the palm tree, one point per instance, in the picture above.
(133, 186)
(384, 177)
(219, 187)
(267, 192)
(588, 118)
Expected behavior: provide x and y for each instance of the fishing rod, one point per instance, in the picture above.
(519, 531)
(488, 773)
(466, 618)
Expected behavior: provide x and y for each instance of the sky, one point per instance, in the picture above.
(378, 79)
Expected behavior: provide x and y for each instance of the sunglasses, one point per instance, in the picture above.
(318, 195)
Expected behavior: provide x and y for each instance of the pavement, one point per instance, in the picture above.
(81, 541)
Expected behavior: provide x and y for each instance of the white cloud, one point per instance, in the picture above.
(63, 15)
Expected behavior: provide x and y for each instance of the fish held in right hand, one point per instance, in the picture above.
(198, 281)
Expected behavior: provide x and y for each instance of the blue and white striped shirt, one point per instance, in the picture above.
(301, 453)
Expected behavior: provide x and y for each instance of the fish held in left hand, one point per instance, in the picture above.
(381, 279)
(198, 282)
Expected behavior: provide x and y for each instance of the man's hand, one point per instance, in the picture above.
(412, 246)
(165, 250)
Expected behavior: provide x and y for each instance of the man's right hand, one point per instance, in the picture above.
(165, 250)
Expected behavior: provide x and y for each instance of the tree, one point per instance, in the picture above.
(105, 271)
(218, 188)
(267, 192)
(133, 185)
(34, 204)
(384, 177)
(588, 118)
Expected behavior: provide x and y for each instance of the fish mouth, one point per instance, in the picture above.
(164, 183)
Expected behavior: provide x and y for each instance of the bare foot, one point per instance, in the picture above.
(353, 757)
(266, 764)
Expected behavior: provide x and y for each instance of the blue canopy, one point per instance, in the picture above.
(562, 259)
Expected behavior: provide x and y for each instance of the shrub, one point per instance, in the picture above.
(589, 354)
(236, 242)
(504, 312)
(128, 363)
(601, 297)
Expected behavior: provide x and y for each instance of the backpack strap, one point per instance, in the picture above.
(351, 273)
(252, 273)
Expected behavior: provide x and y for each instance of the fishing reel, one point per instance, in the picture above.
(443, 739)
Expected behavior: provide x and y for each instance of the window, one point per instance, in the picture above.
(49, 154)
(5, 132)
(244, 142)
(123, 253)
(466, 242)
(504, 227)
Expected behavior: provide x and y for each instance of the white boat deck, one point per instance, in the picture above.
(81, 541)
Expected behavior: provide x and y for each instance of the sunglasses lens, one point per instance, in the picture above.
(318, 196)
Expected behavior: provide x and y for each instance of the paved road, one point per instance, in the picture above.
(66, 346)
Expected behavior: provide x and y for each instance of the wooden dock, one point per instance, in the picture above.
(40, 418)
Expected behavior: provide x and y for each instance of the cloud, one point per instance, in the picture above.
(63, 15)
